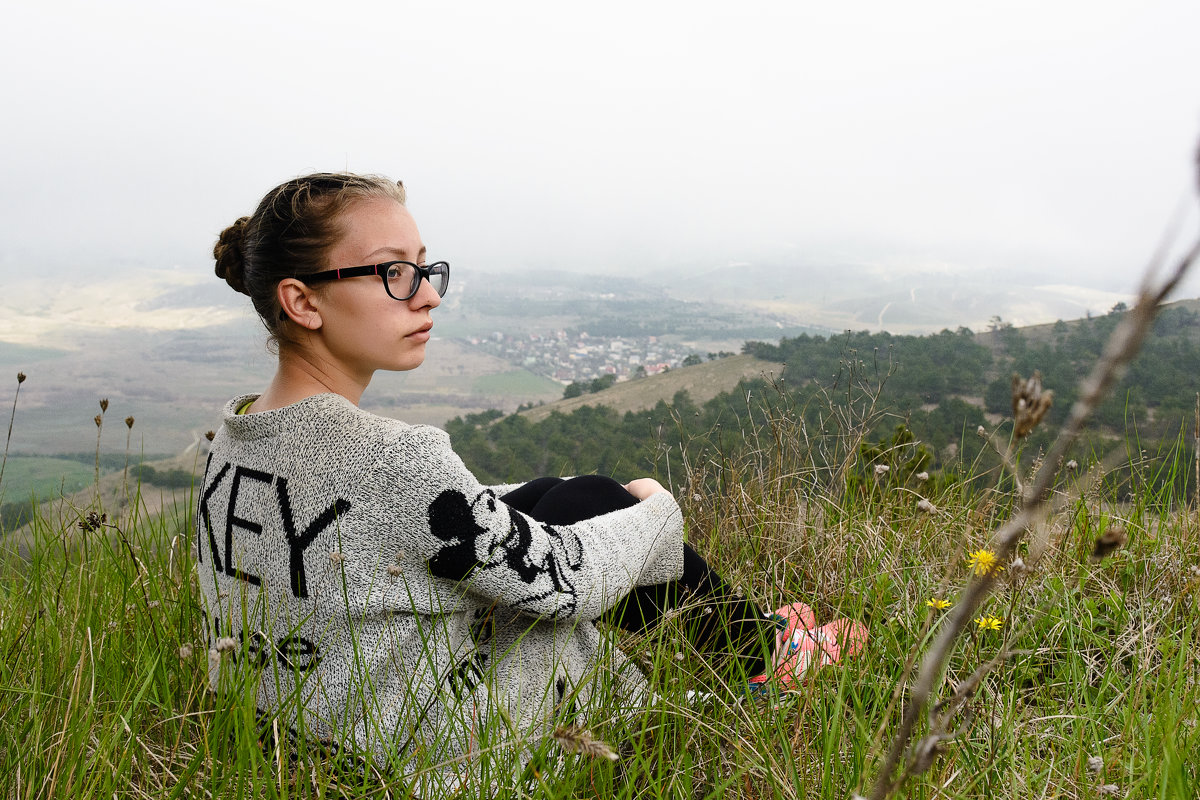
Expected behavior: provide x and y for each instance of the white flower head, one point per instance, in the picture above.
(922, 476)
(335, 557)
(882, 469)
(185, 652)
(926, 506)
(225, 644)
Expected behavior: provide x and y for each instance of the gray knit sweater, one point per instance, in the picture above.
(382, 598)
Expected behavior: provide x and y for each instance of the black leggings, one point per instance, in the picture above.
(718, 623)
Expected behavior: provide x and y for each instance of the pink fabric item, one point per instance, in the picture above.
(801, 646)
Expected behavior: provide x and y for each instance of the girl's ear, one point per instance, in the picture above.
(298, 302)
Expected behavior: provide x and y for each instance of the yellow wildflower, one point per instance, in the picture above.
(989, 623)
(983, 562)
(937, 603)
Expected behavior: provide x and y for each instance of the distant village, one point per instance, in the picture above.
(570, 357)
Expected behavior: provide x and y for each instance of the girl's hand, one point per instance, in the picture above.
(642, 488)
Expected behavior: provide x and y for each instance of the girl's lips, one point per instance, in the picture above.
(420, 335)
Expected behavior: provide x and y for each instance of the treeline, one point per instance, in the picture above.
(578, 388)
(1157, 394)
(910, 403)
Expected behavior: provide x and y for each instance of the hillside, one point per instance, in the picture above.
(1046, 332)
(702, 382)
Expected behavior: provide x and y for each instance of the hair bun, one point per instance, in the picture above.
(230, 255)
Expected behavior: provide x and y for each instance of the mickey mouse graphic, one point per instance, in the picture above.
(470, 530)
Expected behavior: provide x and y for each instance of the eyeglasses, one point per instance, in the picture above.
(401, 279)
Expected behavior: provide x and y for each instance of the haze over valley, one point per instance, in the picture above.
(170, 346)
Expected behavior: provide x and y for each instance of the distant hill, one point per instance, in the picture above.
(702, 382)
(1045, 331)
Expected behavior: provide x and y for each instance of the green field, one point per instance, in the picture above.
(517, 381)
(43, 477)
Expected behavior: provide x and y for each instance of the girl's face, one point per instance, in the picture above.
(363, 329)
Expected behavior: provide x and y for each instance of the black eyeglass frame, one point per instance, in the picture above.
(423, 273)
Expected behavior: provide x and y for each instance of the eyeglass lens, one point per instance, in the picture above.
(404, 279)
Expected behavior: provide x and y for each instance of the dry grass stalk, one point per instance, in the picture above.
(574, 739)
(11, 419)
(1120, 349)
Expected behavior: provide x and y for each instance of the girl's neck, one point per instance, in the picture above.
(299, 375)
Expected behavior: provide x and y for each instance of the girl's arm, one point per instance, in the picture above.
(466, 534)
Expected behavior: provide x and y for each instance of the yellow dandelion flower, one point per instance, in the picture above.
(983, 562)
(989, 623)
(937, 603)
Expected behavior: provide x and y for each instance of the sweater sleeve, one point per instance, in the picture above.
(469, 536)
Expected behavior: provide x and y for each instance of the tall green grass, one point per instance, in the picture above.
(103, 660)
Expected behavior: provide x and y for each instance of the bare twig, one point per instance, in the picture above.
(1122, 346)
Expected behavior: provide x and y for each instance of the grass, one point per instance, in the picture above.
(103, 679)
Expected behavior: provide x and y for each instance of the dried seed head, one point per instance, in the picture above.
(185, 652)
(1095, 764)
(922, 476)
(214, 659)
(129, 422)
(1072, 465)
(1109, 790)
(336, 557)
(981, 432)
(99, 420)
(926, 506)
(92, 522)
(20, 377)
(1019, 568)
(1109, 542)
(395, 570)
(225, 644)
(209, 435)
(1029, 402)
(574, 739)
(679, 656)
(881, 470)
(103, 404)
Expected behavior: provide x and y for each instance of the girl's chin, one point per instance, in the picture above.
(411, 361)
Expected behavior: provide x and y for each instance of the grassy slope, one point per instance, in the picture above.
(703, 382)
(97, 698)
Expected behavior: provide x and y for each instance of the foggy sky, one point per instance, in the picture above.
(1049, 137)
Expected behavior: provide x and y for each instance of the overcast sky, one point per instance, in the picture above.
(1048, 136)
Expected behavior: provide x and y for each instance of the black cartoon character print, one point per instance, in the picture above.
(470, 531)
